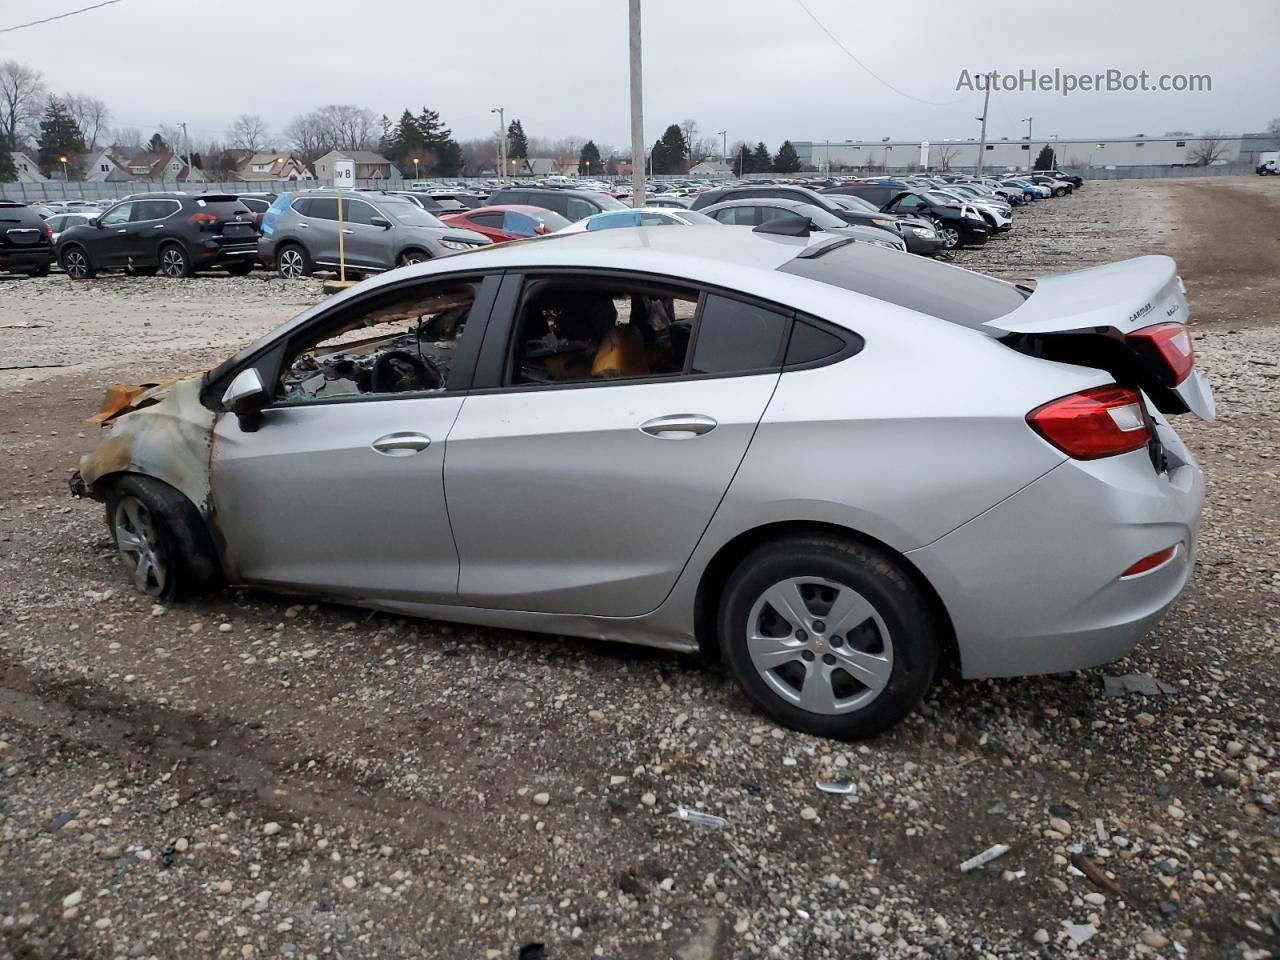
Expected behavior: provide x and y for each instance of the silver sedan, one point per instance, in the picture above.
(835, 466)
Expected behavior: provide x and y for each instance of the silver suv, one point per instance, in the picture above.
(300, 232)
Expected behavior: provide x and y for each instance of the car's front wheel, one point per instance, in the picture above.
(174, 261)
(1060, 191)
(950, 235)
(76, 264)
(829, 636)
(161, 538)
(410, 257)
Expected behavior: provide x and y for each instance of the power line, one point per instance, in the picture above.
(849, 53)
(60, 16)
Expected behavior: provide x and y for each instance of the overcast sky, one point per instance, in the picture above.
(761, 70)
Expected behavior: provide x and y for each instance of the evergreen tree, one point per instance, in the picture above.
(403, 143)
(589, 158)
(761, 161)
(8, 172)
(157, 144)
(60, 136)
(742, 162)
(787, 160)
(670, 152)
(438, 143)
(517, 142)
(1045, 160)
(611, 167)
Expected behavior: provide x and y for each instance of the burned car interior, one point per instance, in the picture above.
(584, 329)
(412, 352)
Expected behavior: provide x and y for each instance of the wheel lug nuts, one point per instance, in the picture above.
(801, 635)
(819, 626)
(829, 659)
(837, 641)
(807, 655)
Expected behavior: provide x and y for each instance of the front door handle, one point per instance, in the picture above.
(679, 426)
(401, 444)
(348, 232)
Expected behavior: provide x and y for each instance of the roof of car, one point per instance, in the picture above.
(787, 202)
(524, 208)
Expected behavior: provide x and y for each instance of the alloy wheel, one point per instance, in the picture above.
(76, 264)
(819, 645)
(138, 542)
(173, 262)
(290, 266)
(952, 237)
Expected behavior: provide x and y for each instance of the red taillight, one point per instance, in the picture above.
(1171, 343)
(1100, 422)
(202, 218)
(48, 231)
(1150, 562)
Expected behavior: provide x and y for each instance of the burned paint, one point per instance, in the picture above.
(167, 435)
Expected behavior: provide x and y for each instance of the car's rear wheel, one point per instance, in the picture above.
(174, 261)
(161, 539)
(293, 262)
(828, 636)
(239, 269)
(77, 265)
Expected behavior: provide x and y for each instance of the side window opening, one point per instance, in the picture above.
(576, 330)
(414, 337)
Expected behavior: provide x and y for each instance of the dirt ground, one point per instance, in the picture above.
(247, 776)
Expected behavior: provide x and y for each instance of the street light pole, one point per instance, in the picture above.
(502, 140)
(63, 161)
(637, 106)
(982, 142)
(1030, 160)
(724, 145)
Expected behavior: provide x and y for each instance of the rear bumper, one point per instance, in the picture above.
(21, 261)
(210, 252)
(1034, 584)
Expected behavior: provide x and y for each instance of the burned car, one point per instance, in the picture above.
(835, 466)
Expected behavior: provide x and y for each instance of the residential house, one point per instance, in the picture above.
(161, 165)
(28, 166)
(369, 165)
(102, 166)
(276, 165)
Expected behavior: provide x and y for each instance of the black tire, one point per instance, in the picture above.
(907, 655)
(75, 261)
(173, 533)
(410, 257)
(175, 262)
(240, 269)
(293, 262)
(1059, 191)
(950, 235)
(40, 271)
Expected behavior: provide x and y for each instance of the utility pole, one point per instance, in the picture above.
(1031, 162)
(186, 149)
(637, 107)
(724, 145)
(982, 142)
(502, 141)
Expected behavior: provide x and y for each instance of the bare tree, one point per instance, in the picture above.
(248, 132)
(337, 126)
(1273, 127)
(91, 114)
(21, 99)
(479, 155)
(127, 137)
(946, 154)
(690, 128)
(305, 135)
(706, 147)
(1209, 149)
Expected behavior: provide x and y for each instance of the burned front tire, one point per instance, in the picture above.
(161, 538)
(829, 636)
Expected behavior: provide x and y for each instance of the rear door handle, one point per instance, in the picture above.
(348, 232)
(302, 226)
(401, 444)
(679, 426)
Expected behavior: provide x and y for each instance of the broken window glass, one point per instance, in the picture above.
(411, 350)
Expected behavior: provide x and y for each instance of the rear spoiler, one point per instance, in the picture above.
(1116, 300)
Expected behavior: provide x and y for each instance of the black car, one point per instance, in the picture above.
(1071, 178)
(26, 240)
(958, 228)
(573, 205)
(174, 233)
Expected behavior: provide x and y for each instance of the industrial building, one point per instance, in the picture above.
(1004, 153)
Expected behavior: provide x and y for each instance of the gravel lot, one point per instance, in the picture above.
(246, 776)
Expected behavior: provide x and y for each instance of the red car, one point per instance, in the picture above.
(512, 221)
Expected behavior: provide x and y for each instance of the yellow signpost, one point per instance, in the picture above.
(334, 286)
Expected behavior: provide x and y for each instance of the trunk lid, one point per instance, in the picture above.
(1123, 317)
